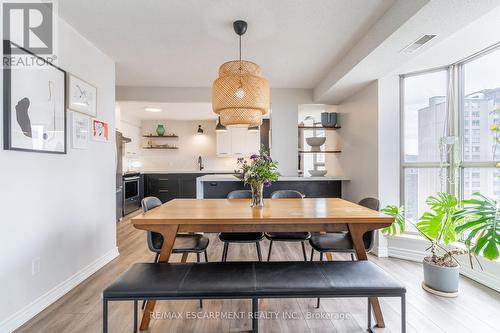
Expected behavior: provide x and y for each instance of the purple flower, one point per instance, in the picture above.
(240, 159)
(253, 156)
(268, 158)
(268, 183)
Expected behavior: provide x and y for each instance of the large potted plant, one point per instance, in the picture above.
(259, 171)
(448, 220)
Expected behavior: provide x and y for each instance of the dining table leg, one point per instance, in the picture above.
(357, 231)
(169, 232)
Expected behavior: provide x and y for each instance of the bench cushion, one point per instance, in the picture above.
(253, 279)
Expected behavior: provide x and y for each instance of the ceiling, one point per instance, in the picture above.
(181, 43)
(170, 111)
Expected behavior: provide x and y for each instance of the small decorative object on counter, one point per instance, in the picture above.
(259, 171)
(160, 130)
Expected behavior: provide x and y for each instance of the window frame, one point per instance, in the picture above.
(455, 126)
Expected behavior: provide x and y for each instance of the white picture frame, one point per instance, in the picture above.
(80, 131)
(82, 96)
(100, 130)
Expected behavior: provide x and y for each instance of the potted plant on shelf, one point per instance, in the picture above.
(477, 220)
(259, 171)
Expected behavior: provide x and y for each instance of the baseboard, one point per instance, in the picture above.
(22, 316)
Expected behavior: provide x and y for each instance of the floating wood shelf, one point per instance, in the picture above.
(320, 152)
(320, 128)
(160, 147)
(159, 137)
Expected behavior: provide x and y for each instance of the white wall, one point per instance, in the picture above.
(191, 145)
(59, 208)
(284, 105)
(359, 157)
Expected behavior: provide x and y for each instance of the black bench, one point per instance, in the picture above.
(252, 280)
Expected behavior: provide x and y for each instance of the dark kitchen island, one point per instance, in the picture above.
(218, 186)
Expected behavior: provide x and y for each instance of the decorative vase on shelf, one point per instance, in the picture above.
(257, 194)
(160, 130)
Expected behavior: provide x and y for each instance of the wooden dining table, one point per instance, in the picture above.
(277, 215)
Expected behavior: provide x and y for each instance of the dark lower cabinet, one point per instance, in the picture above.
(171, 186)
(311, 189)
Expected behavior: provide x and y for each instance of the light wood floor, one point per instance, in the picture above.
(477, 309)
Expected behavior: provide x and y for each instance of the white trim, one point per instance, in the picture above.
(29, 311)
(413, 248)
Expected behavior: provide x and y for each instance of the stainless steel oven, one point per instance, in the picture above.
(131, 193)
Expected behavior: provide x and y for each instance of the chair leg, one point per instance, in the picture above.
(104, 316)
(321, 256)
(224, 251)
(135, 316)
(206, 255)
(312, 254)
(304, 250)
(259, 254)
(157, 257)
(352, 257)
(270, 248)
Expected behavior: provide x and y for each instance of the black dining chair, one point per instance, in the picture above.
(240, 237)
(301, 237)
(341, 242)
(184, 243)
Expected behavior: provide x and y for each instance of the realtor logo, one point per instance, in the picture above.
(29, 25)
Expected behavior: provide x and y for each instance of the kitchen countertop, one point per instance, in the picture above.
(231, 178)
(189, 171)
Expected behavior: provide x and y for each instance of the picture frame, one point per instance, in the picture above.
(100, 130)
(80, 131)
(82, 96)
(34, 103)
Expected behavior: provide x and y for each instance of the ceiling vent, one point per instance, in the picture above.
(418, 44)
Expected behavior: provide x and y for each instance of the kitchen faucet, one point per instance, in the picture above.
(200, 163)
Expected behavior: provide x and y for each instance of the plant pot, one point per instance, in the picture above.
(440, 280)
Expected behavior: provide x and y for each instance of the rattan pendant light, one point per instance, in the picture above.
(240, 96)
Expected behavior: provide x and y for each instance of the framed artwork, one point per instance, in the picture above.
(34, 103)
(82, 96)
(80, 131)
(100, 130)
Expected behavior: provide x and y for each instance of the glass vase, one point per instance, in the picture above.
(257, 194)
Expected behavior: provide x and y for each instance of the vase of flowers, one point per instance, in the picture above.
(258, 171)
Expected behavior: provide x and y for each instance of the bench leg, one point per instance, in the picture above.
(104, 316)
(403, 313)
(369, 315)
(255, 310)
(135, 316)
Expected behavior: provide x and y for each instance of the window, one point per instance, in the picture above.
(425, 167)
(424, 115)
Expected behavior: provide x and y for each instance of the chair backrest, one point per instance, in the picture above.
(369, 237)
(240, 194)
(149, 203)
(287, 194)
(371, 203)
(155, 240)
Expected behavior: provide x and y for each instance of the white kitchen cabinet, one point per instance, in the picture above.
(223, 144)
(237, 141)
